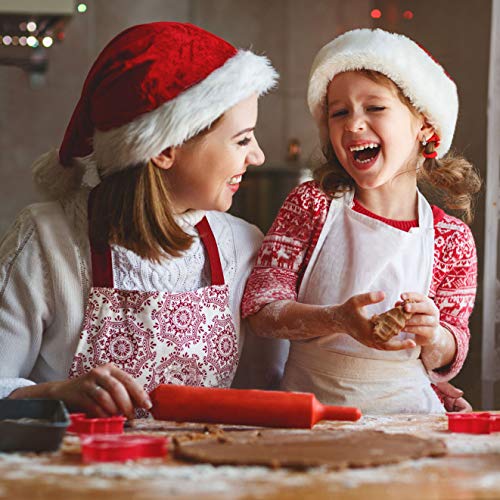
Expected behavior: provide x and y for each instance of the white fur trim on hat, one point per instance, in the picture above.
(183, 117)
(415, 72)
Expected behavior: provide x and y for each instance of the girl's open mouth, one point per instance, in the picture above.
(365, 155)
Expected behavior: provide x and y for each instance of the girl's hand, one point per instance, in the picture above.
(103, 391)
(452, 396)
(358, 325)
(438, 344)
(424, 323)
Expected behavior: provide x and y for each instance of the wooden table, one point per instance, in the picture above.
(471, 470)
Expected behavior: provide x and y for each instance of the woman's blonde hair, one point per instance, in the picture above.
(452, 179)
(133, 208)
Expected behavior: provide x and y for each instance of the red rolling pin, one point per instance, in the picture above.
(244, 407)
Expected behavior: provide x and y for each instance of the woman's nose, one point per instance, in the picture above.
(256, 155)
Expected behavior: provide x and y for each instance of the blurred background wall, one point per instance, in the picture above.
(290, 32)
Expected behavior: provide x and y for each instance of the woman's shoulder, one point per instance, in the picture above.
(225, 225)
(30, 216)
(23, 233)
(49, 221)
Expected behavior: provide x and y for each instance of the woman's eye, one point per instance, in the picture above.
(340, 112)
(376, 108)
(244, 142)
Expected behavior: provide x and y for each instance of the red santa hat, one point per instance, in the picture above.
(153, 86)
(420, 77)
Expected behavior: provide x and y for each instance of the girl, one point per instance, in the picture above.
(361, 237)
(148, 291)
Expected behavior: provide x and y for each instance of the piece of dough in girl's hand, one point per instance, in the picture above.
(390, 323)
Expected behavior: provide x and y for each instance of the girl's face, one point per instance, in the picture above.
(374, 135)
(206, 172)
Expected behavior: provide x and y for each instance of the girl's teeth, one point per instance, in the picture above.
(371, 145)
(235, 180)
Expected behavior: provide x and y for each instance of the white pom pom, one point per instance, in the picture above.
(52, 180)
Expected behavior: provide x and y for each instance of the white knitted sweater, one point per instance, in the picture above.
(45, 281)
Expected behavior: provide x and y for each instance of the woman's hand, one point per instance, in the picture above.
(103, 391)
(438, 344)
(358, 325)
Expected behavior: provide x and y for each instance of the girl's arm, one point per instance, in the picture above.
(295, 321)
(441, 324)
(456, 292)
(270, 299)
(286, 249)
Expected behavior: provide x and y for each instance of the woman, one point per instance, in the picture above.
(148, 291)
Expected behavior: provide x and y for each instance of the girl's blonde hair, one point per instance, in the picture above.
(133, 208)
(452, 179)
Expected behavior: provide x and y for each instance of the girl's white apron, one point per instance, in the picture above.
(158, 337)
(357, 254)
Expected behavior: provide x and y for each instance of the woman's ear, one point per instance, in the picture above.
(165, 160)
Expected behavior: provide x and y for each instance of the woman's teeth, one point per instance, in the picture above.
(235, 180)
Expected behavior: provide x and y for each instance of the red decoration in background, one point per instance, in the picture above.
(376, 13)
(408, 14)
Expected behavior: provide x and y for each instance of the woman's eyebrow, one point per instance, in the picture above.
(244, 131)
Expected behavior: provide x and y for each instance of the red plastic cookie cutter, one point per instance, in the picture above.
(120, 448)
(474, 423)
(80, 424)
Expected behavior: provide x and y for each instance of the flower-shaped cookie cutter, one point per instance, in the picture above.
(474, 423)
(121, 448)
(80, 424)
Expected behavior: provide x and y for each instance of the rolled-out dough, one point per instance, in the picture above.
(301, 450)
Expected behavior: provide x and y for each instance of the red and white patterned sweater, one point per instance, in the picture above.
(287, 248)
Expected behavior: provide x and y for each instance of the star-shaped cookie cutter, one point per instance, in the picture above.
(80, 424)
(474, 423)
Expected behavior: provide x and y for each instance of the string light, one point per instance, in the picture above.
(408, 14)
(376, 13)
(47, 41)
(34, 31)
(32, 41)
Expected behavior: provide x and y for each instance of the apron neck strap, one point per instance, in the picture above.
(102, 266)
(208, 240)
(100, 255)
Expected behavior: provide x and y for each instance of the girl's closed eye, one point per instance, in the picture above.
(376, 108)
(245, 141)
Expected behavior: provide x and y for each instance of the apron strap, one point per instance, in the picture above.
(102, 266)
(208, 240)
(100, 255)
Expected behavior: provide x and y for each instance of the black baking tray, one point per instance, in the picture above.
(32, 424)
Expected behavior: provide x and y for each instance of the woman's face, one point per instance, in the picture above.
(207, 171)
(374, 135)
